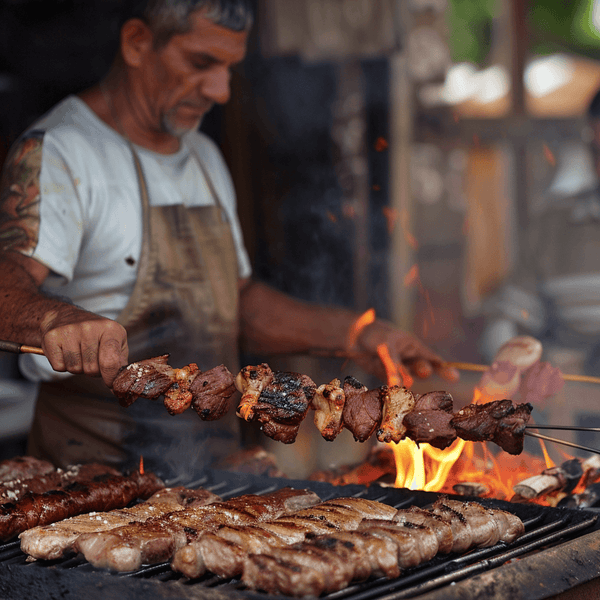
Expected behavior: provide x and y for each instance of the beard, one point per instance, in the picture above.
(170, 125)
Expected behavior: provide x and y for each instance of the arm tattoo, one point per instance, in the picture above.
(20, 195)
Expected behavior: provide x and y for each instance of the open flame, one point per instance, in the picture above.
(365, 319)
(141, 465)
(424, 467)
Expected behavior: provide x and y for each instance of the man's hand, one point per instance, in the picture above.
(404, 349)
(78, 342)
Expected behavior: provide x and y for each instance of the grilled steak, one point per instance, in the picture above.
(56, 540)
(148, 378)
(212, 392)
(362, 410)
(499, 421)
(126, 548)
(328, 402)
(397, 401)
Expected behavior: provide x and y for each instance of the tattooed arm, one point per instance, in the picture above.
(73, 340)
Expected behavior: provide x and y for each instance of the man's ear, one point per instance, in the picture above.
(136, 41)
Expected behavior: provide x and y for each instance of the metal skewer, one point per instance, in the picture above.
(563, 442)
(565, 427)
(19, 348)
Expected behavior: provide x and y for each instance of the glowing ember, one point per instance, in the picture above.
(141, 465)
(381, 144)
(365, 319)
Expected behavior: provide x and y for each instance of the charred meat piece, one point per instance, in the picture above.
(431, 427)
(54, 541)
(485, 529)
(438, 400)
(397, 402)
(462, 536)
(281, 405)
(419, 516)
(211, 392)
(362, 411)
(225, 557)
(178, 397)
(250, 381)
(156, 540)
(11, 491)
(102, 493)
(23, 467)
(499, 421)
(148, 378)
(328, 402)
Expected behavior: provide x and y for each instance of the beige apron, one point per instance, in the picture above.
(185, 303)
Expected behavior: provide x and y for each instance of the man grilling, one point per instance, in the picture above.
(120, 241)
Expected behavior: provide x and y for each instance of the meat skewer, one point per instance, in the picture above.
(208, 392)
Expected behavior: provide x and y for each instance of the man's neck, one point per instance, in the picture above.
(110, 102)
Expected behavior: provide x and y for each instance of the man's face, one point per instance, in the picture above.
(186, 77)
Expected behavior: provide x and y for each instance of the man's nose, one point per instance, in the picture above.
(216, 87)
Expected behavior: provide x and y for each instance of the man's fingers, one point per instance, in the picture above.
(113, 355)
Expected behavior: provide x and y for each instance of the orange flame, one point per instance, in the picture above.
(549, 155)
(412, 277)
(392, 375)
(408, 236)
(391, 216)
(141, 465)
(355, 330)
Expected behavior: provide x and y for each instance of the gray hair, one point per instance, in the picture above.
(167, 18)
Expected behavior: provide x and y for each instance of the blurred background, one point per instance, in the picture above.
(387, 154)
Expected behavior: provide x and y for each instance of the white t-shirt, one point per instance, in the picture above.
(91, 214)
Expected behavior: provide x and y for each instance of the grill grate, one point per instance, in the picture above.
(544, 527)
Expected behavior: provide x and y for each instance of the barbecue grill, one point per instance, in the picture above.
(559, 551)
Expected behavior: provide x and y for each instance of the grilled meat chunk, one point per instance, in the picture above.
(54, 541)
(488, 525)
(250, 381)
(156, 540)
(328, 402)
(211, 392)
(178, 397)
(432, 427)
(11, 491)
(363, 409)
(101, 493)
(23, 467)
(462, 536)
(499, 421)
(419, 516)
(397, 401)
(281, 404)
(438, 400)
(485, 530)
(416, 543)
(148, 378)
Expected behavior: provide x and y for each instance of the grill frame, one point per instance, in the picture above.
(545, 528)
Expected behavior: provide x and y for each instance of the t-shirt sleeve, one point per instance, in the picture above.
(41, 214)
